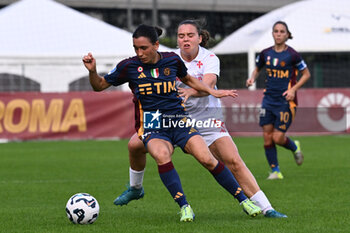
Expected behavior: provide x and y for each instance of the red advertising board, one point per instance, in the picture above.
(74, 115)
(90, 115)
(319, 111)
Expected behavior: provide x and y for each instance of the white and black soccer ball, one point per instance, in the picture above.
(82, 208)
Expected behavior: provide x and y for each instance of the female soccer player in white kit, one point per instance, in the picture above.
(205, 66)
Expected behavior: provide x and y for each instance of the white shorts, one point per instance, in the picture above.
(211, 137)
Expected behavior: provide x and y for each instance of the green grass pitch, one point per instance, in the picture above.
(37, 178)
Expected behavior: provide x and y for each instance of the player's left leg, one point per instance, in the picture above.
(197, 147)
(225, 149)
(161, 150)
(286, 115)
(294, 146)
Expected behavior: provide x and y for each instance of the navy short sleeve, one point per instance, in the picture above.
(298, 61)
(260, 60)
(118, 75)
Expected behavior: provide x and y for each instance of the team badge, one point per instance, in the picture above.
(268, 60)
(283, 63)
(155, 73)
(140, 69)
(167, 71)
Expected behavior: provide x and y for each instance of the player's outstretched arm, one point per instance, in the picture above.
(199, 86)
(97, 82)
(208, 79)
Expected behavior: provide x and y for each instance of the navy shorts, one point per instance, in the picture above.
(280, 116)
(177, 136)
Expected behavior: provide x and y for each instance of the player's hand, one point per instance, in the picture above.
(224, 93)
(185, 93)
(289, 94)
(89, 62)
(249, 82)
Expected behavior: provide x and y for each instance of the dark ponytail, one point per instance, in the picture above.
(152, 33)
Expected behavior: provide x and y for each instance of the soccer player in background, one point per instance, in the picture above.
(152, 76)
(279, 103)
(204, 66)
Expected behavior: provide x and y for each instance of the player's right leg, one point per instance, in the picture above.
(137, 158)
(271, 152)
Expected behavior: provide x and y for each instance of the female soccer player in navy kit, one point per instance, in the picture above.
(152, 76)
(279, 103)
(205, 66)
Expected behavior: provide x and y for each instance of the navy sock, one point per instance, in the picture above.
(225, 178)
(271, 156)
(172, 182)
(290, 145)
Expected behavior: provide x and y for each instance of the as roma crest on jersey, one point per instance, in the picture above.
(167, 71)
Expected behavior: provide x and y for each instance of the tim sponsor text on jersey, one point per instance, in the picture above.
(275, 73)
(158, 87)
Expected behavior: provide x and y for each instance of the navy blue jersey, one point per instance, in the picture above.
(153, 85)
(281, 72)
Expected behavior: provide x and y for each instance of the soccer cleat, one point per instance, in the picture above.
(275, 176)
(298, 156)
(274, 214)
(128, 195)
(250, 208)
(187, 214)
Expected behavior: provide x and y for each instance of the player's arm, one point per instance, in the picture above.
(290, 93)
(97, 82)
(250, 81)
(208, 79)
(199, 86)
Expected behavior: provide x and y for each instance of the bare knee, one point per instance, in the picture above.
(209, 162)
(236, 163)
(136, 147)
(161, 156)
(196, 146)
(268, 138)
(160, 150)
(278, 138)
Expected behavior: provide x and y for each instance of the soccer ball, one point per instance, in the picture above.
(82, 208)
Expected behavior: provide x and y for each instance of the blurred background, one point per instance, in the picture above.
(220, 17)
(42, 43)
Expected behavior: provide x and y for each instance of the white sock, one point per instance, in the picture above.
(136, 178)
(261, 201)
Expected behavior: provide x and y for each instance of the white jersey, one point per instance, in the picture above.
(207, 107)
